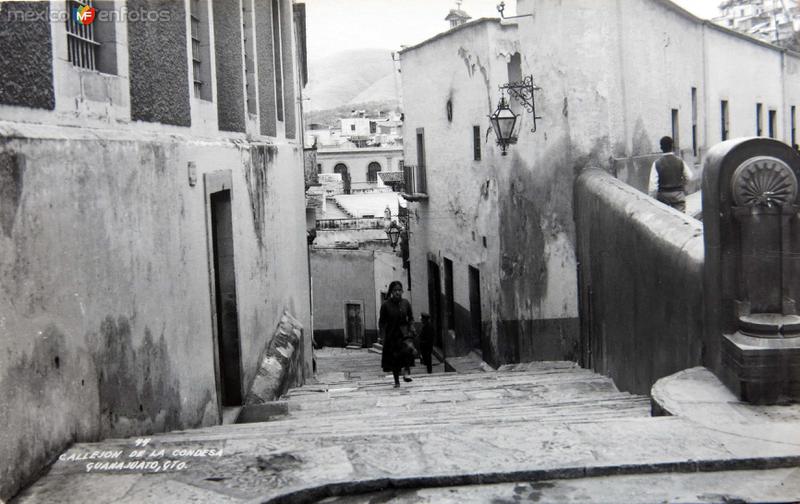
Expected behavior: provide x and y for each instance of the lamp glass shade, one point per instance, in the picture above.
(393, 232)
(503, 121)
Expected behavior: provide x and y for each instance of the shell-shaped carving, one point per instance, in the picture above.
(764, 181)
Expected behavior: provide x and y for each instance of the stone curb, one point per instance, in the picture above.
(348, 488)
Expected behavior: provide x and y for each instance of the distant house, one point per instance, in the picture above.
(360, 167)
(774, 21)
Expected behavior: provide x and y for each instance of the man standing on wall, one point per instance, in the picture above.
(668, 177)
(394, 324)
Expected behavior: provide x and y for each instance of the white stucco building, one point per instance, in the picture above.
(493, 244)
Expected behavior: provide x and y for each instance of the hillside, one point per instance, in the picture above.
(350, 77)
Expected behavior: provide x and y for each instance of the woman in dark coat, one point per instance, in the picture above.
(394, 324)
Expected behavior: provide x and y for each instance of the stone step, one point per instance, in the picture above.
(371, 418)
(288, 428)
(445, 403)
(585, 408)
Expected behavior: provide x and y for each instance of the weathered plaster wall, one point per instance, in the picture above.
(26, 70)
(791, 89)
(341, 276)
(357, 160)
(463, 193)
(104, 283)
(745, 84)
(230, 74)
(660, 61)
(520, 204)
(158, 64)
(641, 292)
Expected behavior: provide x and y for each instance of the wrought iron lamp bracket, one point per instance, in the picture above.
(501, 7)
(524, 93)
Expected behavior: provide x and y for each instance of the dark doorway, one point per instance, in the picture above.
(227, 326)
(449, 295)
(475, 308)
(342, 170)
(676, 131)
(354, 330)
(372, 172)
(772, 122)
(434, 300)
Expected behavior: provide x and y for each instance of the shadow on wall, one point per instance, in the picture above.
(48, 396)
(37, 394)
(138, 390)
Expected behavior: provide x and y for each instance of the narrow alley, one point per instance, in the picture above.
(228, 228)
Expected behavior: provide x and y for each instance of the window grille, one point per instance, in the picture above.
(196, 61)
(276, 54)
(81, 45)
(249, 64)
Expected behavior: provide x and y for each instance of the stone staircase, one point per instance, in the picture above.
(342, 209)
(350, 432)
(541, 392)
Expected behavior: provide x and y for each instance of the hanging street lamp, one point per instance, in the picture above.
(503, 121)
(393, 232)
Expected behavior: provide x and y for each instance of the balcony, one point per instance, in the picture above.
(350, 224)
(416, 186)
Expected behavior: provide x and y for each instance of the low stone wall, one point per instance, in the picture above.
(641, 283)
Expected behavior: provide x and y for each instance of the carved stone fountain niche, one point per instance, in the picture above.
(751, 215)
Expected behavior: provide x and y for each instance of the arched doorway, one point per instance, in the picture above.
(341, 169)
(372, 171)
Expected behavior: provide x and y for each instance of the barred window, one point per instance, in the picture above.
(276, 54)
(81, 44)
(201, 50)
(248, 39)
(196, 61)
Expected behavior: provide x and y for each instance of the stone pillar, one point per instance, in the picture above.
(751, 218)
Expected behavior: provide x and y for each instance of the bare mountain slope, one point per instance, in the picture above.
(342, 78)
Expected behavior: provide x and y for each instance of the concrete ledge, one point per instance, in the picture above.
(699, 395)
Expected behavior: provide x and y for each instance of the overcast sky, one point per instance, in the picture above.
(339, 25)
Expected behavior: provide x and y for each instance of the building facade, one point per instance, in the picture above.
(360, 166)
(774, 21)
(493, 241)
(153, 222)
